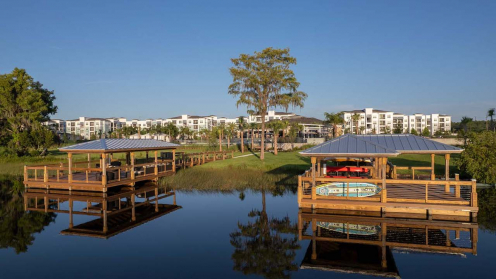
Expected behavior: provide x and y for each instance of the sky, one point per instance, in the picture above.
(159, 59)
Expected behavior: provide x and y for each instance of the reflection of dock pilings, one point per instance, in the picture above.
(116, 212)
(364, 244)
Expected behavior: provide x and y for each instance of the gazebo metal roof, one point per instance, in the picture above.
(378, 146)
(118, 145)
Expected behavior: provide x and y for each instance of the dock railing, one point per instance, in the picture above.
(446, 192)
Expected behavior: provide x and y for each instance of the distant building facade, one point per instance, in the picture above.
(380, 121)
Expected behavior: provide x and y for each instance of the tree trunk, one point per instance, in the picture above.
(252, 135)
(242, 143)
(220, 142)
(276, 135)
(262, 143)
(228, 142)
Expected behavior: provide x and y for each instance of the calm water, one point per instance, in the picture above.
(214, 235)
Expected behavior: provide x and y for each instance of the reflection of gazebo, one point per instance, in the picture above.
(363, 243)
(117, 211)
(107, 171)
(432, 196)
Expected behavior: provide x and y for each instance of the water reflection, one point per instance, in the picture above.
(17, 226)
(117, 211)
(265, 246)
(365, 244)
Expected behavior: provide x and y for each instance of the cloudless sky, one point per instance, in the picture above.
(151, 59)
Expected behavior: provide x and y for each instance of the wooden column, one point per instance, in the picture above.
(156, 162)
(25, 173)
(383, 176)
(314, 239)
(104, 169)
(69, 162)
(89, 160)
(318, 169)
(314, 191)
(446, 165)
(132, 165)
(433, 175)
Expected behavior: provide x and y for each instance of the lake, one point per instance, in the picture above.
(233, 235)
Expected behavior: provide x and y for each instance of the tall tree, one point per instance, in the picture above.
(231, 130)
(490, 114)
(242, 126)
(253, 126)
(265, 80)
(276, 126)
(465, 123)
(334, 119)
(24, 104)
(355, 118)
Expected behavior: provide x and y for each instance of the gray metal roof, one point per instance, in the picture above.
(378, 145)
(405, 143)
(349, 145)
(109, 145)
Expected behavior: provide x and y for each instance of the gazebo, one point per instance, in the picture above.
(431, 195)
(108, 170)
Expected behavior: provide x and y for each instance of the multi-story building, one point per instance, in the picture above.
(56, 125)
(198, 123)
(87, 127)
(372, 121)
(270, 115)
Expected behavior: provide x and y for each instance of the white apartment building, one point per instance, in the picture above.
(86, 127)
(198, 123)
(270, 115)
(381, 121)
(56, 125)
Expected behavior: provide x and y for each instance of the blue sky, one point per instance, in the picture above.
(151, 59)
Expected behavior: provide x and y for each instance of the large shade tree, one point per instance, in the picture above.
(24, 105)
(264, 80)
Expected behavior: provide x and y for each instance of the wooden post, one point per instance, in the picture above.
(174, 160)
(433, 175)
(25, 173)
(457, 177)
(69, 162)
(45, 174)
(383, 176)
(203, 158)
(395, 175)
(89, 160)
(156, 162)
(426, 192)
(314, 241)
(133, 175)
(300, 190)
(446, 165)
(314, 191)
(473, 200)
(318, 168)
(104, 169)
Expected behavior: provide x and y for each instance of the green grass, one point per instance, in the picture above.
(424, 160)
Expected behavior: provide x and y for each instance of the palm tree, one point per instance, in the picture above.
(242, 126)
(334, 119)
(355, 118)
(276, 126)
(219, 132)
(253, 126)
(184, 131)
(465, 121)
(230, 132)
(490, 114)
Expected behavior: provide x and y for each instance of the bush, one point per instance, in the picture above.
(479, 158)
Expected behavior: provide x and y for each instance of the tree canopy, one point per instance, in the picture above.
(264, 80)
(479, 157)
(24, 105)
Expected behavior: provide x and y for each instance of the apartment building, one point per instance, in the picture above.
(270, 115)
(198, 123)
(380, 121)
(56, 125)
(86, 127)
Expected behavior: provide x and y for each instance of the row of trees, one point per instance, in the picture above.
(24, 105)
